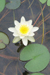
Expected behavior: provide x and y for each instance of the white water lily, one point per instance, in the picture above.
(23, 30)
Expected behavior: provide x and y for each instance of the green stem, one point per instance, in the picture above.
(13, 15)
(30, 4)
(43, 26)
(31, 9)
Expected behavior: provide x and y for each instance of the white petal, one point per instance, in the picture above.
(25, 41)
(35, 29)
(15, 34)
(22, 20)
(16, 22)
(22, 37)
(31, 39)
(16, 39)
(29, 22)
(31, 34)
(11, 29)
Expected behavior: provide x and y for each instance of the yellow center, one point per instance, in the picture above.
(24, 29)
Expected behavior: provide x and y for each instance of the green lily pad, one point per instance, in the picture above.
(4, 40)
(2, 46)
(48, 2)
(42, 1)
(14, 4)
(37, 54)
(37, 74)
(2, 5)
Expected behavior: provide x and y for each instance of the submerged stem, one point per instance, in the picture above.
(30, 4)
(31, 9)
(41, 35)
(43, 25)
(13, 15)
(39, 15)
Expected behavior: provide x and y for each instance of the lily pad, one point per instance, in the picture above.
(4, 40)
(37, 74)
(2, 45)
(37, 55)
(2, 5)
(48, 2)
(14, 4)
(42, 1)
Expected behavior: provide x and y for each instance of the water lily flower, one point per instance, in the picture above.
(23, 30)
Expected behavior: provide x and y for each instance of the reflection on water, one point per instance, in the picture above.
(16, 67)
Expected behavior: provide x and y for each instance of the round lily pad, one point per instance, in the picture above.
(42, 1)
(2, 46)
(14, 4)
(4, 40)
(38, 56)
(48, 2)
(37, 74)
(2, 5)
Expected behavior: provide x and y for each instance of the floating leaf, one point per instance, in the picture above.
(2, 5)
(37, 74)
(3, 40)
(2, 46)
(37, 54)
(42, 1)
(48, 2)
(14, 4)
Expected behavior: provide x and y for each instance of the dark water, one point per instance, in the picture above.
(16, 67)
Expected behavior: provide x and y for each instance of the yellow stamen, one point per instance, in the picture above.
(24, 29)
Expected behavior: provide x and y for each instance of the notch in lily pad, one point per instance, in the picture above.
(4, 40)
(38, 56)
(43, 1)
(13, 4)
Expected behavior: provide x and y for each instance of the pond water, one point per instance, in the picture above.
(13, 66)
